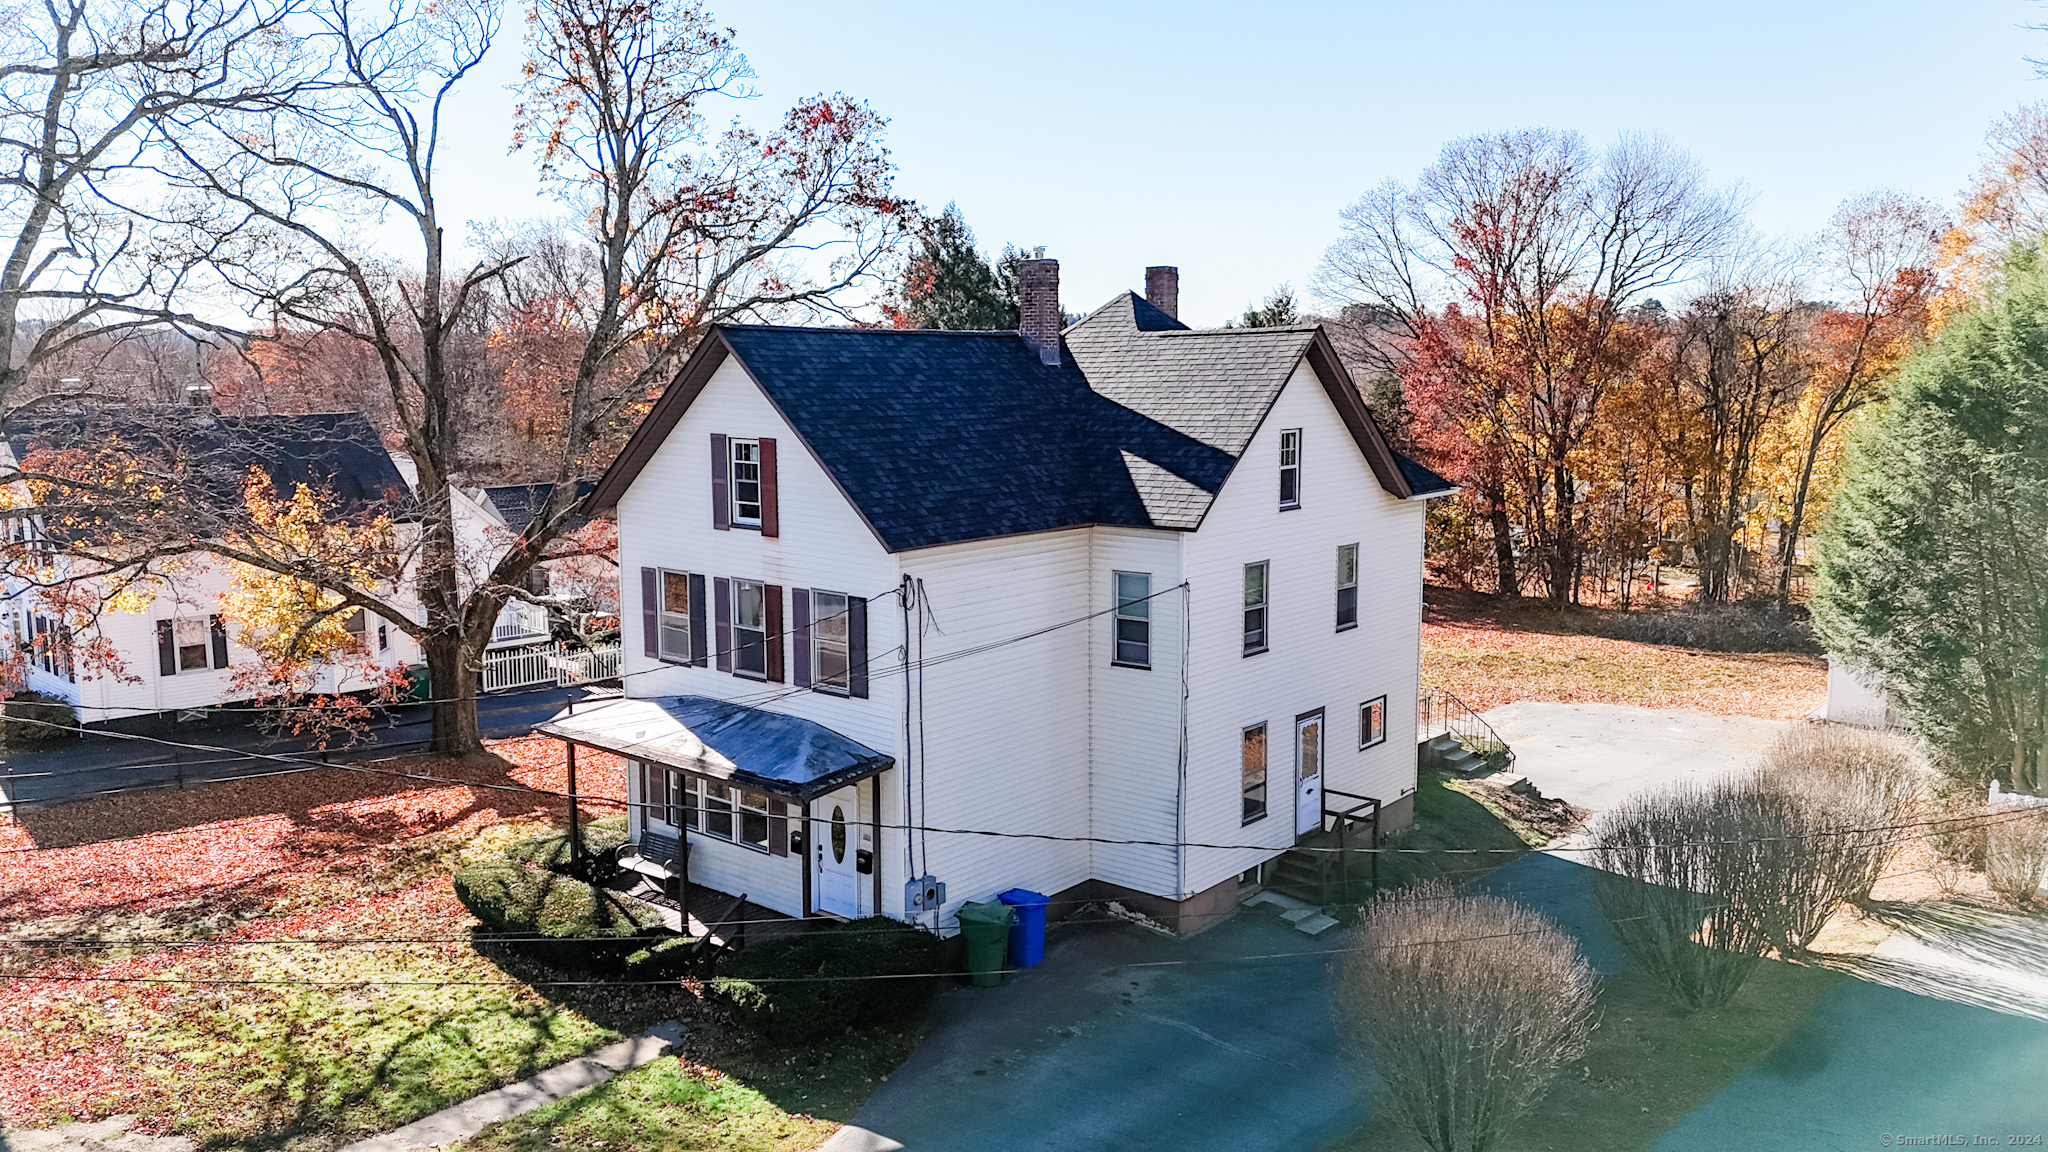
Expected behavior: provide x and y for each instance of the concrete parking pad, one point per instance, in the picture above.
(1595, 755)
(1124, 1039)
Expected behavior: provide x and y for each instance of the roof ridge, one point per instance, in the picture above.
(851, 331)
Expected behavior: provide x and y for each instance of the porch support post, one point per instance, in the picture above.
(575, 827)
(875, 820)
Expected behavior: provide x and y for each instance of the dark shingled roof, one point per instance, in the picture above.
(941, 437)
(337, 451)
(518, 504)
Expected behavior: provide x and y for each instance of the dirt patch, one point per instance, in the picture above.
(1536, 818)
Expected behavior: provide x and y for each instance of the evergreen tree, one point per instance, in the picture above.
(952, 285)
(1277, 312)
(1932, 567)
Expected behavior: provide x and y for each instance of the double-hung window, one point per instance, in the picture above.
(1347, 586)
(753, 826)
(746, 482)
(829, 648)
(717, 808)
(185, 644)
(1255, 593)
(674, 626)
(1372, 722)
(750, 629)
(1252, 770)
(1290, 468)
(1134, 619)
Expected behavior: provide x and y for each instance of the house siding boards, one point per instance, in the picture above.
(1044, 735)
(1308, 663)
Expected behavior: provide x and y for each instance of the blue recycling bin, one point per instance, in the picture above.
(1027, 931)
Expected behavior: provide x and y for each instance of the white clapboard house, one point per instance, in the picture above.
(176, 652)
(1115, 612)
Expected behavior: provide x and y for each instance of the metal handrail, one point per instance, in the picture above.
(1442, 714)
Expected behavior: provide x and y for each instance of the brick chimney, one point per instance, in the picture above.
(1162, 289)
(1038, 305)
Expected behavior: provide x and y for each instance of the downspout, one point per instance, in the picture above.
(1180, 807)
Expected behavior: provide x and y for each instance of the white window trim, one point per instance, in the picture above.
(732, 479)
(1364, 730)
(662, 617)
(1265, 785)
(1117, 618)
(739, 647)
(1285, 435)
(818, 681)
(1353, 586)
(1264, 606)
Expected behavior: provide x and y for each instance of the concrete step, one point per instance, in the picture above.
(1314, 925)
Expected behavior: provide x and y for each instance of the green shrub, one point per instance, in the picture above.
(600, 837)
(580, 925)
(33, 718)
(868, 971)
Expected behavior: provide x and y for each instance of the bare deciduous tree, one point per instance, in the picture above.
(1467, 1006)
(1503, 275)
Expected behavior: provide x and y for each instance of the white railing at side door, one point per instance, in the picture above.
(510, 668)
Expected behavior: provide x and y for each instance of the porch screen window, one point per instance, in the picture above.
(717, 809)
(746, 482)
(1255, 607)
(1290, 468)
(750, 629)
(675, 616)
(1372, 722)
(1347, 586)
(1134, 619)
(753, 819)
(1253, 770)
(829, 647)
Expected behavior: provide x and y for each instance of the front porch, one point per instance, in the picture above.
(738, 817)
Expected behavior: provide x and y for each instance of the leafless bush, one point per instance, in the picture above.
(1466, 1007)
(2016, 851)
(1959, 838)
(1695, 882)
(1859, 788)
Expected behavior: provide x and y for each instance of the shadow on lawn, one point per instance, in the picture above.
(300, 796)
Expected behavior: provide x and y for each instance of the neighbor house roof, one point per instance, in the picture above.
(339, 452)
(751, 747)
(940, 437)
(518, 504)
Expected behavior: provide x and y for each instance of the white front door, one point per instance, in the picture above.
(1308, 773)
(835, 837)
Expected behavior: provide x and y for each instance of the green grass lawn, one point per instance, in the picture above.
(1648, 1065)
(1448, 818)
(728, 1091)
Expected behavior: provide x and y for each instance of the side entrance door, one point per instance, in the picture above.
(835, 836)
(1308, 772)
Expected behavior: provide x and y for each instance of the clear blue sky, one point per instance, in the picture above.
(1225, 138)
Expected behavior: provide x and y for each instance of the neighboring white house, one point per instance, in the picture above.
(1857, 697)
(177, 652)
(1159, 591)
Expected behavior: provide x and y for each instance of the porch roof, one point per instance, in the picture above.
(751, 747)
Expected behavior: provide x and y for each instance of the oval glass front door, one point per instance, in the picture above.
(838, 834)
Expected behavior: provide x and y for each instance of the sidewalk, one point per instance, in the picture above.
(102, 762)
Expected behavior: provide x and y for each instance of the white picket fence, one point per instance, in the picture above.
(548, 664)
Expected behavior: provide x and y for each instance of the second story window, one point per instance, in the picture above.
(1134, 619)
(1255, 607)
(675, 616)
(750, 629)
(746, 482)
(1290, 468)
(1347, 586)
(829, 641)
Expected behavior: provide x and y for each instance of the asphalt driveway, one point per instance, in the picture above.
(1124, 1039)
(1595, 755)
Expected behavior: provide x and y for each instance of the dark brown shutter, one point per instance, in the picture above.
(166, 648)
(721, 610)
(773, 620)
(857, 647)
(778, 828)
(769, 521)
(218, 629)
(800, 635)
(650, 611)
(700, 632)
(721, 476)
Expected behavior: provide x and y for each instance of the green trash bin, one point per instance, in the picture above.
(987, 928)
